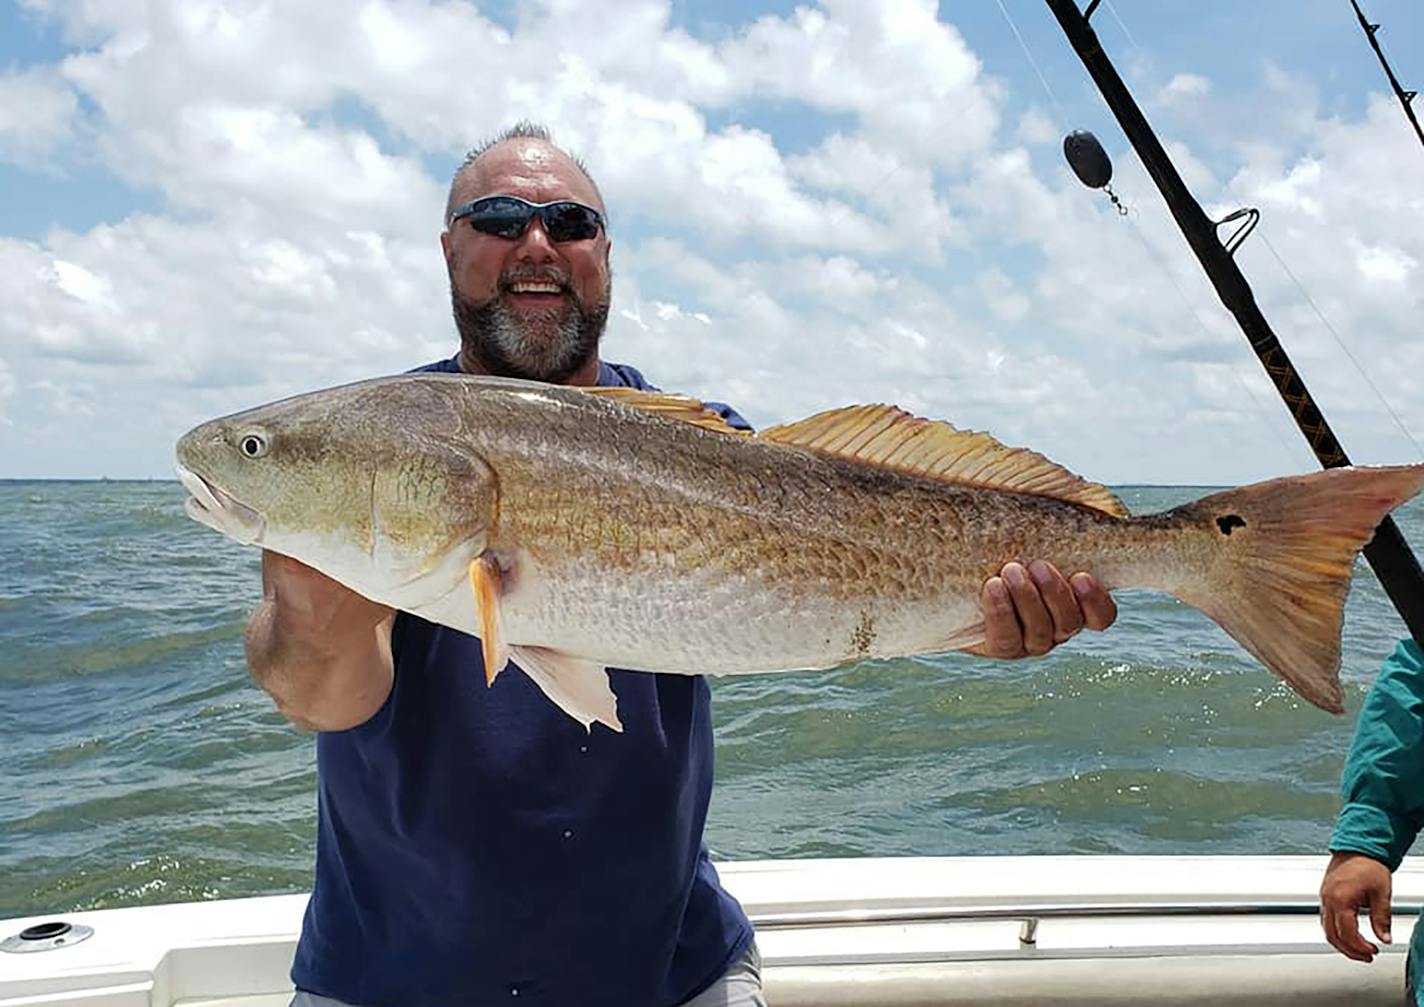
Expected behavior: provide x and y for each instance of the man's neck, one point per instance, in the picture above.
(587, 374)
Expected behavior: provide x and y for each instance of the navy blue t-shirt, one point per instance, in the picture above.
(478, 846)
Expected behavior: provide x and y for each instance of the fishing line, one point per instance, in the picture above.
(1343, 348)
(1261, 407)
(1130, 214)
(1305, 294)
(1113, 11)
(1062, 116)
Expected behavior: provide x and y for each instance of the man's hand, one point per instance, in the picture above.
(321, 650)
(1354, 881)
(310, 606)
(1030, 610)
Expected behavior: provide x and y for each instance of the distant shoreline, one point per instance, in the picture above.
(89, 479)
(109, 480)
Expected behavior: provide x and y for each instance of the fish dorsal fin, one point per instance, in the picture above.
(891, 438)
(683, 408)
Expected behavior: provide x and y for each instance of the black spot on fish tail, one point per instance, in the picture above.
(1229, 522)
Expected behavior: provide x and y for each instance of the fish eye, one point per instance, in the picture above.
(252, 445)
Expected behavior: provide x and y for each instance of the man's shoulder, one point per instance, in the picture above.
(611, 375)
(450, 365)
(628, 376)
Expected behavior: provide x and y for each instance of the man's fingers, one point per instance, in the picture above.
(1355, 881)
(1332, 932)
(1327, 924)
(1099, 610)
(1029, 611)
(1058, 597)
(1347, 936)
(288, 567)
(1003, 637)
(1033, 614)
(1379, 915)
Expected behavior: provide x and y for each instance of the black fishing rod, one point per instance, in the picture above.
(1405, 97)
(1388, 553)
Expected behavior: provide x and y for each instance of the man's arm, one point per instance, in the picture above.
(322, 651)
(1383, 786)
(1030, 610)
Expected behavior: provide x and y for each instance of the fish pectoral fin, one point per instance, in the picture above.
(486, 581)
(890, 438)
(579, 688)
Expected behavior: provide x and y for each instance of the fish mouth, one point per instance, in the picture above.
(221, 512)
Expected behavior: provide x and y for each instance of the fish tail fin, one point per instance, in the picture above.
(1278, 574)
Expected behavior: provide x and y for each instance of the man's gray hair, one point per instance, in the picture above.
(521, 130)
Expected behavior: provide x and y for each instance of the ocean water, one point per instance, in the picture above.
(140, 765)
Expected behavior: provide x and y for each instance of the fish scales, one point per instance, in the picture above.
(736, 530)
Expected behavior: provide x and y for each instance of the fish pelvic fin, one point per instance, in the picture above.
(682, 408)
(580, 688)
(1285, 550)
(486, 584)
(890, 438)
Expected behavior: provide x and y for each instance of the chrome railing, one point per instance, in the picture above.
(1036, 911)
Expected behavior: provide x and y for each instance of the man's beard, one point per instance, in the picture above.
(546, 345)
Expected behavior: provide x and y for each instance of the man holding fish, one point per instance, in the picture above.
(525, 505)
(476, 845)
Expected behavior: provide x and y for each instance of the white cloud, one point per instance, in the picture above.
(1183, 86)
(1194, 171)
(37, 112)
(1384, 264)
(7, 390)
(1004, 299)
(849, 56)
(1036, 127)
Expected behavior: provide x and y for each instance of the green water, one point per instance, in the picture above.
(141, 766)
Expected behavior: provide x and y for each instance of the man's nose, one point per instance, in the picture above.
(534, 244)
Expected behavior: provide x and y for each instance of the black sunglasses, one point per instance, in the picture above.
(508, 216)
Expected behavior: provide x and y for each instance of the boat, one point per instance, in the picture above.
(1183, 931)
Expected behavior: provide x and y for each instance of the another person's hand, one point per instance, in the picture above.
(1355, 881)
(1030, 610)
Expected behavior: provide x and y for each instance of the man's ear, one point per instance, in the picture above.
(445, 250)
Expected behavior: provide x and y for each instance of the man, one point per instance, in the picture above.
(1383, 789)
(476, 845)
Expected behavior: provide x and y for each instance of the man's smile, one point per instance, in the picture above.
(534, 293)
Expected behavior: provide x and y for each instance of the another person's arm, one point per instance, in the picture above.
(1030, 610)
(320, 650)
(1383, 789)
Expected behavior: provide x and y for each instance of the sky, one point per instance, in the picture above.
(209, 205)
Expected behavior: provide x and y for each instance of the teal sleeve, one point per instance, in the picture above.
(1383, 780)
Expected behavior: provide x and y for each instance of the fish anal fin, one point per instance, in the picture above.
(580, 688)
(682, 408)
(966, 638)
(890, 438)
(486, 582)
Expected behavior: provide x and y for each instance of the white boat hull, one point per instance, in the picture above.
(909, 932)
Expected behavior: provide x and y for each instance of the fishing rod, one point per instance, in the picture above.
(1388, 553)
(1405, 97)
